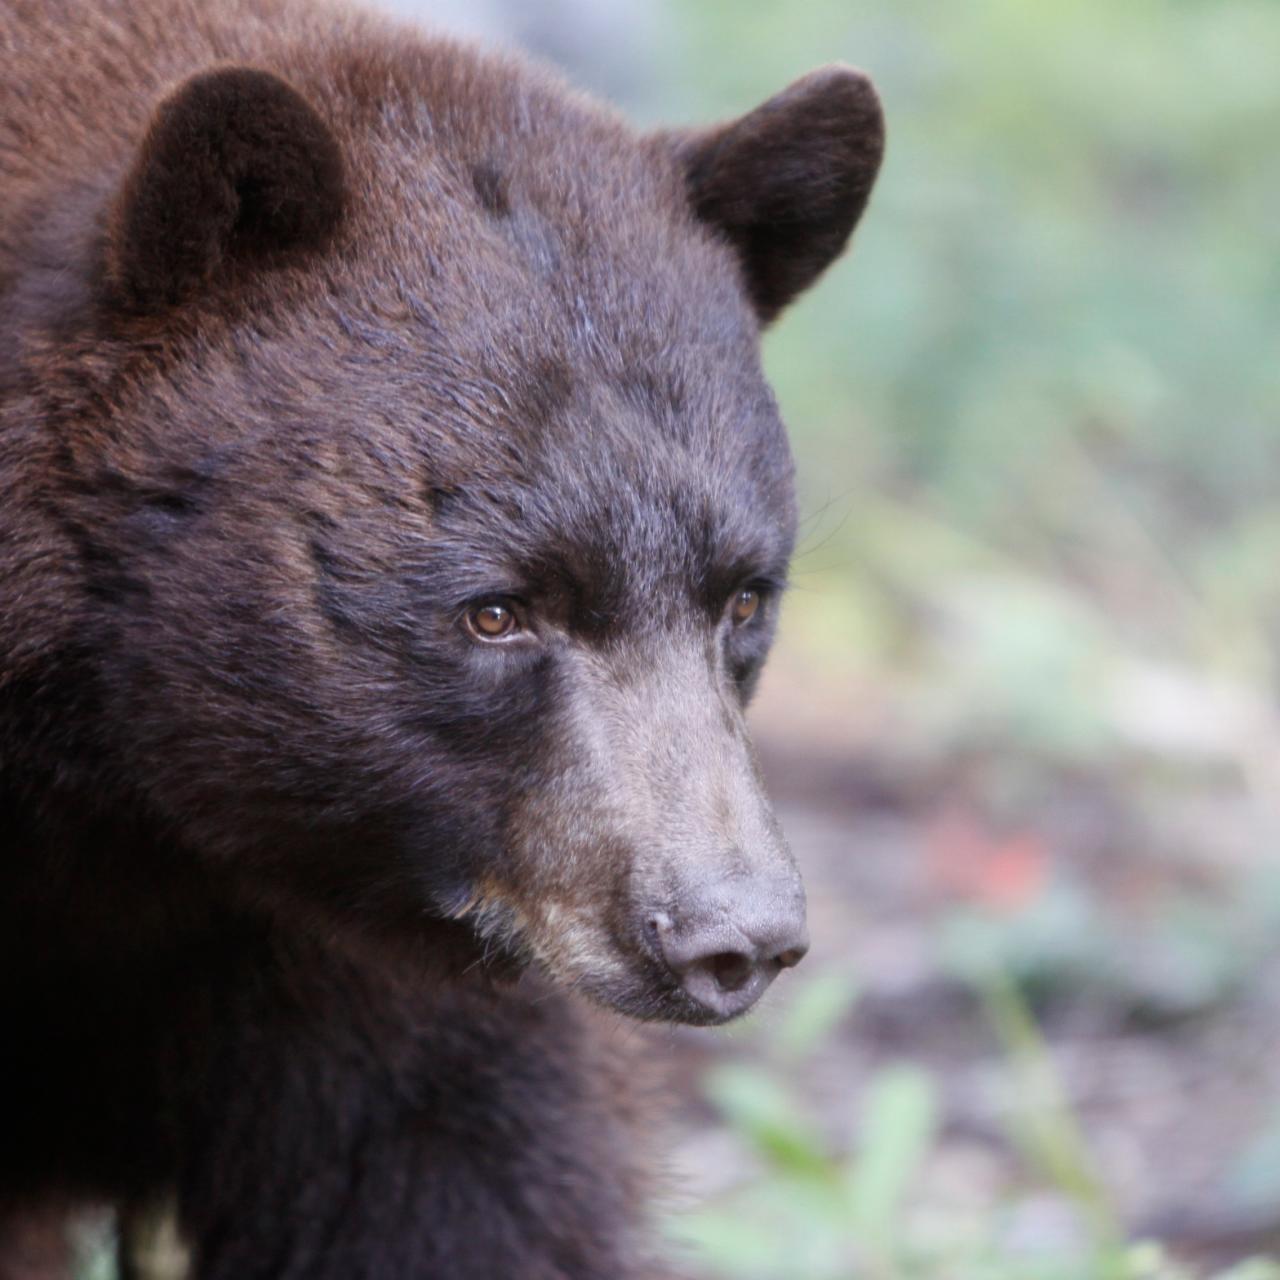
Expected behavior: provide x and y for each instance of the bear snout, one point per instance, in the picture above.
(724, 944)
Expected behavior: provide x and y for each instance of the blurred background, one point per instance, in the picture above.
(1022, 721)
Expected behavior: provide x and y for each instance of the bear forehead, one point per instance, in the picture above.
(518, 215)
(618, 496)
(562, 471)
(512, 255)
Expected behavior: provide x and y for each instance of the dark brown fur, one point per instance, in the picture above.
(313, 332)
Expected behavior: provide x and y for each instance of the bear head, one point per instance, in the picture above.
(432, 511)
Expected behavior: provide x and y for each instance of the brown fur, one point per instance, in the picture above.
(314, 333)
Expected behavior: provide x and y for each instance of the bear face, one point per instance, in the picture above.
(432, 509)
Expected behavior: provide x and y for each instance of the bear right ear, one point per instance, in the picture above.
(786, 183)
(236, 168)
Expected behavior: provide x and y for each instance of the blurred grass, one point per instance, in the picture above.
(827, 1206)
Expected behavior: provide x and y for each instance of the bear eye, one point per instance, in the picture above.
(491, 620)
(743, 606)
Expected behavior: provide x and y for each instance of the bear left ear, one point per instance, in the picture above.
(786, 183)
(236, 168)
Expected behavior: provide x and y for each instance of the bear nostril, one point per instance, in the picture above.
(730, 969)
(724, 950)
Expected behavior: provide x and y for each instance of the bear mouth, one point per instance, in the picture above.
(658, 999)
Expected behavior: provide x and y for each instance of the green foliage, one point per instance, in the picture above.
(817, 1207)
(840, 1207)
(1189, 957)
(899, 1122)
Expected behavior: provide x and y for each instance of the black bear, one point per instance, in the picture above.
(393, 518)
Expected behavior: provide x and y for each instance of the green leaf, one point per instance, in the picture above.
(814, 1012)
(900, 1117)
(762, 1111)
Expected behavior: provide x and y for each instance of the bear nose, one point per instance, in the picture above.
(726, 953)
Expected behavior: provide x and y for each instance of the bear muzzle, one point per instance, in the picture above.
(727, 942)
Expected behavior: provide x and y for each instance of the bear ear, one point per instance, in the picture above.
(786, 183)
(236, 168)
